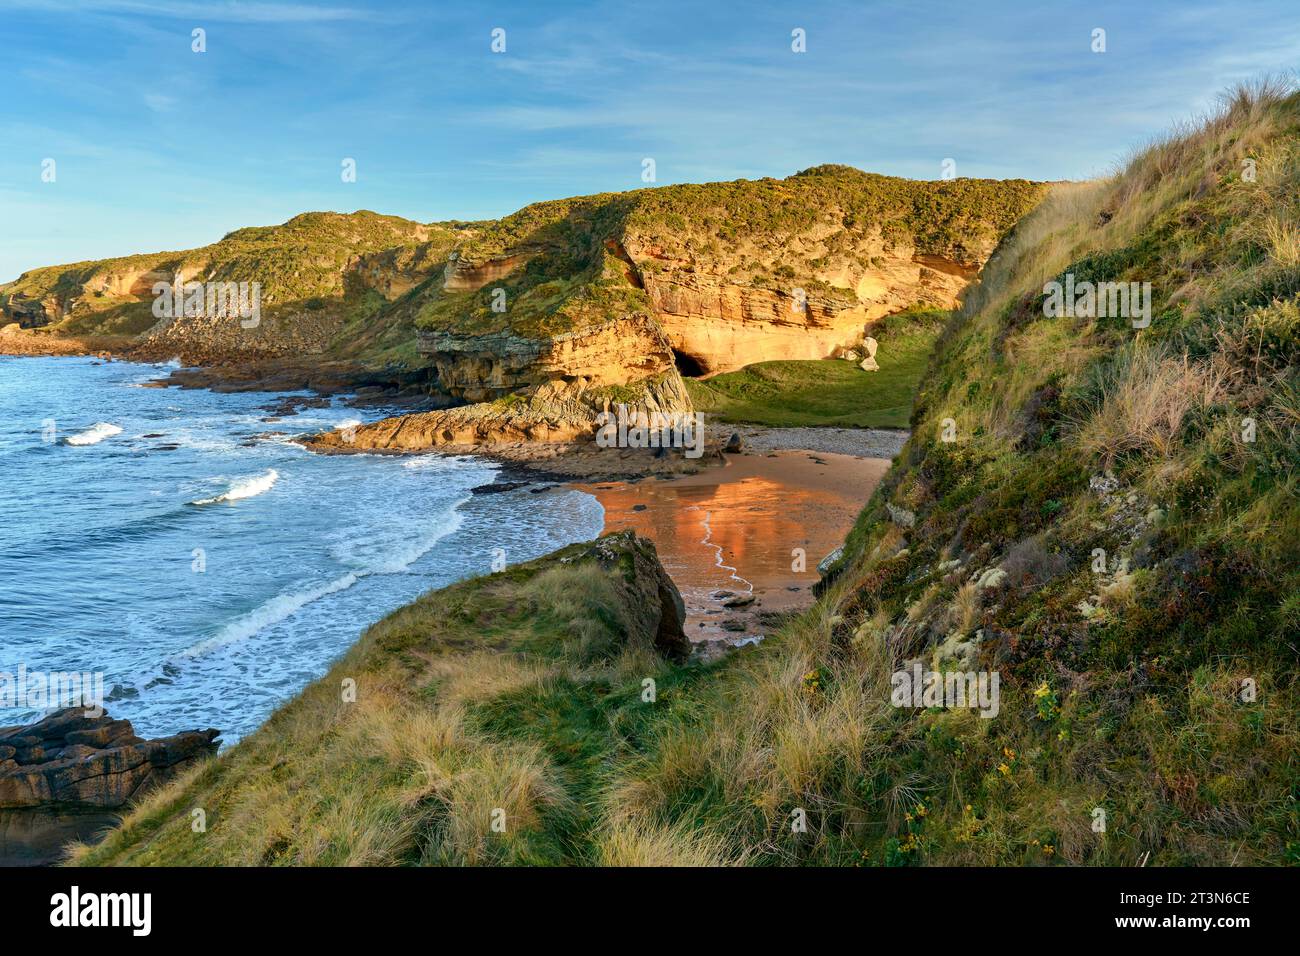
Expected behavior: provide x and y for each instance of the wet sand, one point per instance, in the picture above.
(728, 534)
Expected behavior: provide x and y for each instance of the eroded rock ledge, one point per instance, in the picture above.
(61, 777)
(555, 412)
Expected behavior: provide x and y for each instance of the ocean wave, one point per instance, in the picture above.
(376, 553)
(276, 609)
(85, 538)
(95, 434)
(249, 487)
(264, 615)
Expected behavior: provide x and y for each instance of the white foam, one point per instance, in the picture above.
(249, 487)
(202, 441)
(264, 615)
(432, 461)
(95, 434)
(378, 552)
(282, 606)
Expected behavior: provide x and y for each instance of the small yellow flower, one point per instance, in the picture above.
(1004, 769)
(921, 811)
(1049, 850)
(1042, 691)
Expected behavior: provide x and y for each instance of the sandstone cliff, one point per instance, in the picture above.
(631, 288)
(733, 273)
(544, 312)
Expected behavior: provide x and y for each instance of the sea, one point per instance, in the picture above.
(180, 546)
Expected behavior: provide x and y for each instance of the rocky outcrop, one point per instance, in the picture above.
(138, 282)
(59, 776)
(619, 351)
(653, 602)
(289, 332)
(464, 275)
(394, 272)
(719, 324)
(556, 412)
(32, 313)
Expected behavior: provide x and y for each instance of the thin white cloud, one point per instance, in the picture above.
(160, 102)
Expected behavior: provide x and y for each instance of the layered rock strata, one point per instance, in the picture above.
(61, 778)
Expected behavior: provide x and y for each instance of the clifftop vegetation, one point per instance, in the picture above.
(577, 250)
(356, 286)
(295, 260)
(300, 264)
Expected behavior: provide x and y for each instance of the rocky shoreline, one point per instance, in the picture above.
(569, 455)
(70, 775)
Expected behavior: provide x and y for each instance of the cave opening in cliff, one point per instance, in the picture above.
(688, 365)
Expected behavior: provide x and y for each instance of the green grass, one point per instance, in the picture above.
(828, 392)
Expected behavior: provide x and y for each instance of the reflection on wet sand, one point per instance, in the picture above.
(729, 534)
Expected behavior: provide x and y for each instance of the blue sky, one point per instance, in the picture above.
(158, 147)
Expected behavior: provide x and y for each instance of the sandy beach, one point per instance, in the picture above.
(729, 535)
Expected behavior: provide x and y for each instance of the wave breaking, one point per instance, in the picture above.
(95, 434)
(249, 487)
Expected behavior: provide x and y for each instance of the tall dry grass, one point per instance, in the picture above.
(1147, 394)
(642, 843)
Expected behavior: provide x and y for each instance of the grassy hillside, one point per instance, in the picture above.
(575, 270)
(301, 265)
(1125, 689)
(501, 698)
(298, 259)
(831, 392)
